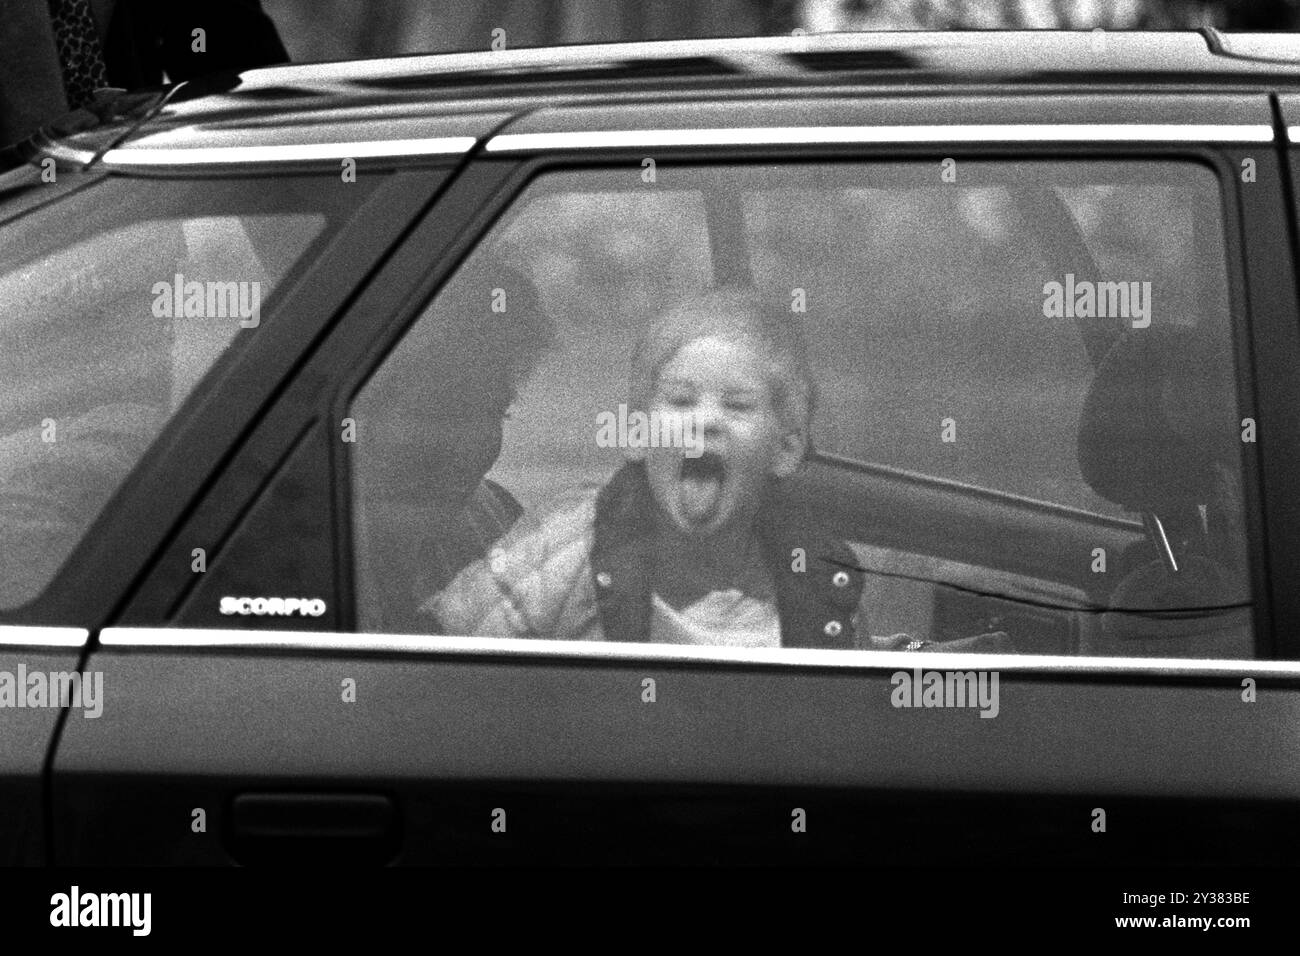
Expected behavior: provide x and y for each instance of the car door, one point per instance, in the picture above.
(119, 400)
(243, 730)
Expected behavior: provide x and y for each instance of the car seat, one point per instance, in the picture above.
(1158, 435)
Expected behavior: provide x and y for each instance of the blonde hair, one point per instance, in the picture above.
(736, 314)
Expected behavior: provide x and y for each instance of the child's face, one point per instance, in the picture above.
(723, 386)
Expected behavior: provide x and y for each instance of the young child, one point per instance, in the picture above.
(683, 545)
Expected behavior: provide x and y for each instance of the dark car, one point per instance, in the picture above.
(298, 366)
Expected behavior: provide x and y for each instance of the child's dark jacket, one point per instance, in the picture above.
(580, 569)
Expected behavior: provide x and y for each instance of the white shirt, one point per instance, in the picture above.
(720, 618)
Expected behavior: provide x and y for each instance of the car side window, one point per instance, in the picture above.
(849, 405)
(118, 304)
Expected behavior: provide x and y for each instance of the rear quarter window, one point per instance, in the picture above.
(115, 302)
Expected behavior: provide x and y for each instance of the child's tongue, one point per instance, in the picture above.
(700, 492)
(700, 498)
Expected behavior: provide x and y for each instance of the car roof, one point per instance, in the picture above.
(445, 103)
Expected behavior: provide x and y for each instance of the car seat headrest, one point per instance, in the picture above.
(1159, 414)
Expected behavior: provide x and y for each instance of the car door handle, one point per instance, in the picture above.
(301, 828)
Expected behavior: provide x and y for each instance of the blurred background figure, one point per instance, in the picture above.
(54, 54)
(435, 416)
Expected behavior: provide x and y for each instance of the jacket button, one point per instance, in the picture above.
(603, 579)
(833, 628)
(840, 579)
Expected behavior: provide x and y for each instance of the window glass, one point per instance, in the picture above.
(114, 304)
(885, 406)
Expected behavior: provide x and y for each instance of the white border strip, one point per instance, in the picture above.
(135, 156)
(16, 635)
(983, 133)
(1293, 134)
(614, 651)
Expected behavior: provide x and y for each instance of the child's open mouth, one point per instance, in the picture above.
(700, 487)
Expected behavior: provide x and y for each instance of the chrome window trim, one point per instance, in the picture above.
(132, 157)
(190, 639)
(21, 635)
(939, 134)
(143, 157)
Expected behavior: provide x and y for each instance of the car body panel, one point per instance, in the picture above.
(439, 734)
